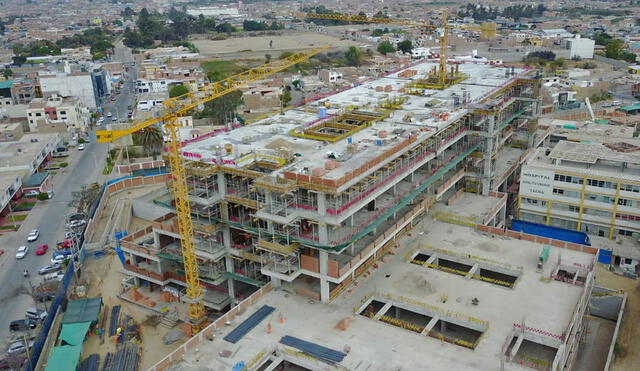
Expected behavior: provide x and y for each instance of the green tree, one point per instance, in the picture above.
(405, 46)
(386, 47)
(286, 96)
(19, 60)
(613, 49)
(178, 90)
(151, 140)
(7, 73)
(353, 56)
(218, 110)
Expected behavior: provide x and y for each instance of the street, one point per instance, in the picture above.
(120, 108)
(48, 217)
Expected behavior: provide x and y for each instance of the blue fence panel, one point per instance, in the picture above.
(46, 325)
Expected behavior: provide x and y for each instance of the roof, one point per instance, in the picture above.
(74, 333)
(82, 310)
(632, 107)
(36, 179)
(6, 84)
(64, 358)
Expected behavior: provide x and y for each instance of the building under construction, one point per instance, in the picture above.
(310, 199)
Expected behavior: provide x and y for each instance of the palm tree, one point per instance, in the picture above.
(151, 140)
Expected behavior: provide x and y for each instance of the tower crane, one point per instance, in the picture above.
(438, 79)
(172, 109)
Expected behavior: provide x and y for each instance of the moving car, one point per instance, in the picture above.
(42, 249)
(49, 269)
(35, 313)
(81, 147)
(22, 252)
(33, 235)
(22, 324)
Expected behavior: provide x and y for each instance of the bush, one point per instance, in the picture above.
(63, 164)
(42, 196)
(81, 141)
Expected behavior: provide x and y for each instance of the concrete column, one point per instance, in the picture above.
(324, 268)
(503, 215)
(226, 237)
(323, 234)
(276, 282)
(351, 221)
(268, 200)
(488, 154)
(228, 262)
(395, 192)
(156, 240)
(322, 203)
(413, 176)
(222, 186)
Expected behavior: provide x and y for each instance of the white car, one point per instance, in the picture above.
(19, 347)
(58, 259)
(32, 193)
(76, 223)
(108, 114)
(22, 252)
(33, 235)
(81, 147)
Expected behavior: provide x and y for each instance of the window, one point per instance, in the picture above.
(628, 260)
(623, 232)
(558, 191)
(38, 114)
(63, 112)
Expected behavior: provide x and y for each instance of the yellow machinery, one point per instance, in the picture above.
(173, 108)
(437, 79)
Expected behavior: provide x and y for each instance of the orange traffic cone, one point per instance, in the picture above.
(269, 328)
(280, 318)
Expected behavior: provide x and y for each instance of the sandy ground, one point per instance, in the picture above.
(629, 336)
(303, 40)
(105, 278)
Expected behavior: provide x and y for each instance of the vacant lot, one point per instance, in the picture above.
(298, 41)
(224, 68)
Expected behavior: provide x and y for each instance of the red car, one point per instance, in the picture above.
(42, 249)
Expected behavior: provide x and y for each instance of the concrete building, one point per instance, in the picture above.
(90, 87)
(586, 186)
(57, 114)
(451, 296)
(329, 76)
(311, 198)
(29, 154)
(580, 47)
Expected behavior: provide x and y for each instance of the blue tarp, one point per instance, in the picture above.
(550, 232)
(604, 256)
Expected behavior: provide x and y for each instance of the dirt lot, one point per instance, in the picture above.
(105, 278)
(629, 336)
(304, 40)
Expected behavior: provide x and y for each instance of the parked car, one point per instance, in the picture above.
(64, 244)
(62, 252)
(57, 276)
(42, 249)
(109, 114)
(76, 223)
(50, 194)
(22, 252)
(19, 347)
(22, 324)
(49, 269)
(59, 259)
(33, 235)
(35, 313)
(81, 147)
(616, 103)
(31, 193)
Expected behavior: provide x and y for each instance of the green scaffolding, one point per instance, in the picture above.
(404, 201)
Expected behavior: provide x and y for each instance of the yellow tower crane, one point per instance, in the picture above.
(438, 79)
(173, 108)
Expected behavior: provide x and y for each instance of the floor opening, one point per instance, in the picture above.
(535, 355)
(408, 316)
(373, 308)
(498, 278)
(457, 334)
(457, 268)
(420, 258)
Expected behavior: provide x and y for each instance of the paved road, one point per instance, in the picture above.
(119, 108)
(48, 217)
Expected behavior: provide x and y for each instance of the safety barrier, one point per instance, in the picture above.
(539, 332)
(463, 273)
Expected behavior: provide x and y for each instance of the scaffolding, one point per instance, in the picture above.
(339, 127)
